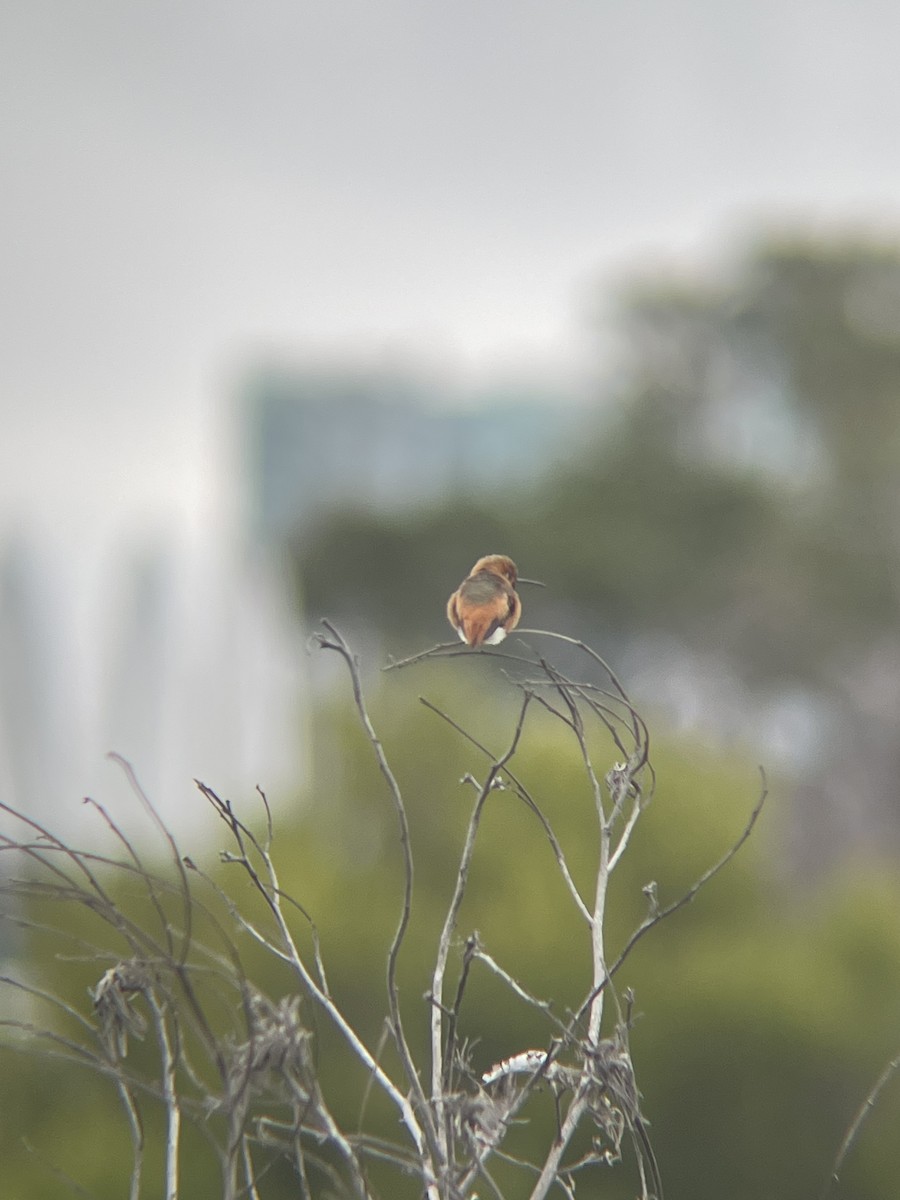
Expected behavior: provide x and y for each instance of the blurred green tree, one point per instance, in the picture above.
(738, 495)
(763, 1019)
(746, 460)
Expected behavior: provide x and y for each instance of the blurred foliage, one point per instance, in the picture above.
(765, 1015)
(729, 524)
(739, 487)
(740, 491)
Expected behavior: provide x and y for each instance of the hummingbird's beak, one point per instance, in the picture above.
(534, 582)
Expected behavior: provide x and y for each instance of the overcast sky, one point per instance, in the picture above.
(187, 182)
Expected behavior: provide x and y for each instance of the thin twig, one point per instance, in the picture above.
(443, 951)
(546, 1006)
(272, 893)
(856, 1124)
(438, 651)
(337, 642)
(157, 820)
(524, 795)
(662, 914)
(170, 1093)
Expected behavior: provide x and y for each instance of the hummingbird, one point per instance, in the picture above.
(485, 606)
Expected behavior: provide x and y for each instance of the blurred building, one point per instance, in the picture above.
(385, 440)
(180, 648)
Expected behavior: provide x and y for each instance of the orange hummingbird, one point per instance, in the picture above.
(485, 606)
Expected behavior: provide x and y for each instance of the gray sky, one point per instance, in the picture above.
(185, 182)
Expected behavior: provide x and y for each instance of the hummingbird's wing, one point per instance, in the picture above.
(453, 612)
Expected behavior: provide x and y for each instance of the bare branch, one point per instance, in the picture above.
(856, 1125)
(522, 792)
(253, 1091)
(656, 916)
(443, 950)
(336, 642)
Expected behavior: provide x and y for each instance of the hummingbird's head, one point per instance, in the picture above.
(497, 564)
